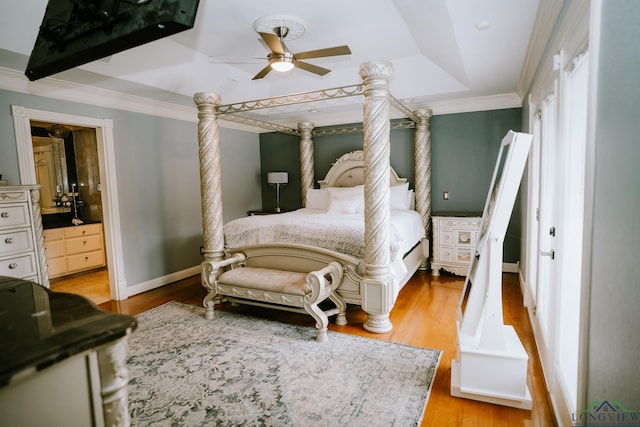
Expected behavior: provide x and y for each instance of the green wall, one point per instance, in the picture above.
(464, 149)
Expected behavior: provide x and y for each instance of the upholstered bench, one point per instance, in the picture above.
(275, 288)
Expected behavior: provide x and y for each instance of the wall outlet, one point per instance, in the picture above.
(445, 195)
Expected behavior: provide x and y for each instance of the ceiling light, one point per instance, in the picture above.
(282, 66)
(282, 63)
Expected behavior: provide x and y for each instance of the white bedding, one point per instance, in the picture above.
(342, 233)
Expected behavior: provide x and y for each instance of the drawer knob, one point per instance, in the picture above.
(4, 214)
(8, 240)
(13, 266)
(84, 242)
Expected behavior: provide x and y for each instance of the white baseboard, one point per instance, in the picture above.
(510, 267)
(161, 281)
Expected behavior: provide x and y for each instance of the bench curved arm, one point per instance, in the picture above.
(211, 270)
(320, 289)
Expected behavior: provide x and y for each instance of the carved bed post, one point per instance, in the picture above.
(378, 292)
(422, 150)
(306, 159)
(210, 175)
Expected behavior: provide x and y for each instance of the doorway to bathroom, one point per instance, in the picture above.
(68, 171)
(103, 198)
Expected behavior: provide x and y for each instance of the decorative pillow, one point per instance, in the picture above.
(400, 196)
(346, 199)
(343, 206)
(318, 199)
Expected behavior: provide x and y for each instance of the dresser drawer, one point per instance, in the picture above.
(14, 215)
(55, 249)
(85, 261)
(82, 230)
(83, 244)
(19, 266)
(14, 196)
(12, 242)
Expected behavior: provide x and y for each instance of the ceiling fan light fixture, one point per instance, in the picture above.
(282, 63)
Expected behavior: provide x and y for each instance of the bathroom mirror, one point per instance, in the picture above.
(51, 173)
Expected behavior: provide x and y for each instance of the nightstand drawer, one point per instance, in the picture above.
(463, 255)
(20, 266)
(466, 238)
(447, 253)
(85, 261)
(446, 237)
(14, 215)
(16, 241)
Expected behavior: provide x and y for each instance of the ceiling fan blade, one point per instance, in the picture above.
(319, 53)
(273, 42)
(262, 72)
(312, 68)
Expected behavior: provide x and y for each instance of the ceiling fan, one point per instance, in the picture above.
(282, 59)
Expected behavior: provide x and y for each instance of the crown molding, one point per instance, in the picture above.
(481, 103)
(62, 90)
(543, 28)
(83, 94)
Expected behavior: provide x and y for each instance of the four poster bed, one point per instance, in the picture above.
(363, 217)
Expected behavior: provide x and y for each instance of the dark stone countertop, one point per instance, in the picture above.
(39, 328)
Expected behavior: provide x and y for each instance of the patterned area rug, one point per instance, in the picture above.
(236, 370)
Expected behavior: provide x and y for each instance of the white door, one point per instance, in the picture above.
(571, 206)
(543, 304)
(557, 178)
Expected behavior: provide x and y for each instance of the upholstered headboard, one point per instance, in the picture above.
(348, 171)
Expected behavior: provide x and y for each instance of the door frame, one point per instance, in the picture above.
(22, 117)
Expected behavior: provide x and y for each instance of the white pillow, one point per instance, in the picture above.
(317, 198)
(346, 199)
(400, 196)
(343, 206)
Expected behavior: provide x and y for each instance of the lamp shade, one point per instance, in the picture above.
(277, 177)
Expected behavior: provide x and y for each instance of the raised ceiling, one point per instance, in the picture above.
(441, 51)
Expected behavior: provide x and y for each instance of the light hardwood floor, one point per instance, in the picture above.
(93, 285)
(424, 315)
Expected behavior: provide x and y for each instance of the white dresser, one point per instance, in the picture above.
(21, 241)
(454, 242)
(73, 249)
